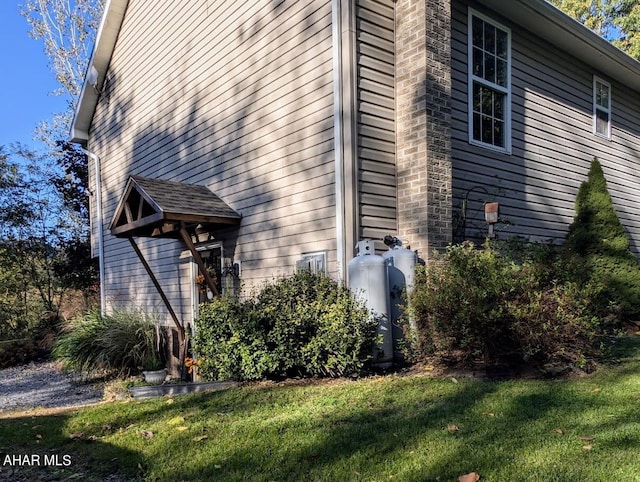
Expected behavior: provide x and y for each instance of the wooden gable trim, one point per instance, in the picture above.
(139, 214)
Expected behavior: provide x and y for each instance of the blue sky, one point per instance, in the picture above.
(25, 81)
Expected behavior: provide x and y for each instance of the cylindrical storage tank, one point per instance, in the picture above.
(368, 280)
(401, 264)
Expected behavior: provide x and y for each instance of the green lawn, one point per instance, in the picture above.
(383, 428)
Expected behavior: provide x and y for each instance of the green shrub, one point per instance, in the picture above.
(300, 325)
(480, 303)
(597, 248)
(229, 341)
(123, 342)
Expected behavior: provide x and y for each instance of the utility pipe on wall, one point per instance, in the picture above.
(338, 137)
(98, 193)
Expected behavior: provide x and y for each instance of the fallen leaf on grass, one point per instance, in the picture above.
(454, 380)
(169, 401)
(453, 428)
(471, 477)
(182, 428)
(200, 438)
(558, 431)
(595, 390)
(587, 438)
(146, 434)
(76, 436)
(38, 436)
(587, 447)
(176, 420)
(488, 414)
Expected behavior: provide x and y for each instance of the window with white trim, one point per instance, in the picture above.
(489, 83)
(601, 108)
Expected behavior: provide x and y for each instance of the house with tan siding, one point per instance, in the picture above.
(256, 138)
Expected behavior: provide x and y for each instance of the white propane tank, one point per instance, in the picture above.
(368, 280)
(401, 264)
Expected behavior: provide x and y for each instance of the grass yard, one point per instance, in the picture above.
(411, 428)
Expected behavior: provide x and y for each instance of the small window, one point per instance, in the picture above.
(601, 108)
(489, 83)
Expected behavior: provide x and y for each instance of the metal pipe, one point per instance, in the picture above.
(98, 193)
(338, 137)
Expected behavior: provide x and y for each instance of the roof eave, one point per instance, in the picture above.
(97, 69)
(551, 23)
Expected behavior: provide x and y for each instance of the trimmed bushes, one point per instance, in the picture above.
(529, 302)
(473, 303)
(303, 325)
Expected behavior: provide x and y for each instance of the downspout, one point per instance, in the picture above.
(96, 163)
(338, 132)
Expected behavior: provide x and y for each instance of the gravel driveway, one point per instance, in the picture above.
(44, 385)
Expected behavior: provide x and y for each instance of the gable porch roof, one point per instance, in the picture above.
(158, 208)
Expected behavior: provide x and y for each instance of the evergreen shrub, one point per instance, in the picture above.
(597, 248)
(302, 325)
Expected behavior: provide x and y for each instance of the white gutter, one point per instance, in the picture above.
(106, 37)
(338, 137)
(98, 194)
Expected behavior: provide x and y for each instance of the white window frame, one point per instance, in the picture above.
(596, 107)
(496, 87)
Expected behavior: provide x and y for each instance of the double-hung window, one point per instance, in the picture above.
(601, 108)
(489, 83)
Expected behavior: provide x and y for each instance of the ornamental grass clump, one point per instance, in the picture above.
(122, 343)
(302, 325)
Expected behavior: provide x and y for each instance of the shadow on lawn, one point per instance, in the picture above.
(37, 447)
(336, 445)
(413, 429)
(381, 435)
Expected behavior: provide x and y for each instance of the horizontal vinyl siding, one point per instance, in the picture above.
(552, 142)
(376, 118)
(241, 101)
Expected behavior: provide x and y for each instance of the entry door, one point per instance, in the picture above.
(212, 256)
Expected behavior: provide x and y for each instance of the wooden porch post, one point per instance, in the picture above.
(159, 289)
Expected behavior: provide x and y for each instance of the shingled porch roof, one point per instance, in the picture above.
(158, 208)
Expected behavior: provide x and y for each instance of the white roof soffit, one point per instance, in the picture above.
(97, 69)
(552, 24)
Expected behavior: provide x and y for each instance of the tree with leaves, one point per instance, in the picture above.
(616, 20)
(44, 246)
(67, 29)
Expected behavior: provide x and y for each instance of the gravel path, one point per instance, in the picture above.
(44, 385)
